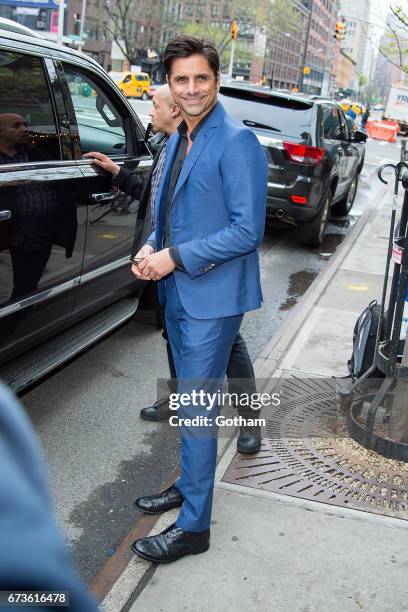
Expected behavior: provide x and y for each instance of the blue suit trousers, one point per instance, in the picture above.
(201, 349)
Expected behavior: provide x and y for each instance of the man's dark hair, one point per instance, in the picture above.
(185, 46)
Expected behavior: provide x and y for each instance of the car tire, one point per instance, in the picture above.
(145, 96)
(359, 169)
(344, 206)
(311, 233)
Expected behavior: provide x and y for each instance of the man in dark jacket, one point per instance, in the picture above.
(165, 118)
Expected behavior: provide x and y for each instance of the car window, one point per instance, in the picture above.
(99, 121)
(127, 78)
(28, 130)
(331, 124)
(345, 126)
(140, 77)
(274, 115)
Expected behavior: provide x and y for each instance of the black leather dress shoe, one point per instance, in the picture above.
(154, 504)
(172, 544)
(249, 439)
(160, 411)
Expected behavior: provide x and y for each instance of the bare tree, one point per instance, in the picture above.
(135, 25)
(272, 17)
(395, 50)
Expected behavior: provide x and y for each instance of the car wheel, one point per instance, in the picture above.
(311, 233)
(343, 207)
(145, 96)
(359, 169)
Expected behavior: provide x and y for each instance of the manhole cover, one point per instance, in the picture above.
(306, 452)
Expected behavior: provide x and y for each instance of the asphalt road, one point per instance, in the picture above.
(99, 453)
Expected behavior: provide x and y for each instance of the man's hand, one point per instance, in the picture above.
(145, 251)
(103, 161)
(157, 265)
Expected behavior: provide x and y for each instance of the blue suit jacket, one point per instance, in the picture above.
(217, 218)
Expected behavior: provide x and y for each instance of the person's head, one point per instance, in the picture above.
(192, 67)
(13, 130)
(165, 115)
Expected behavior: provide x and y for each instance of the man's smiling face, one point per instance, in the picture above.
(194, 85)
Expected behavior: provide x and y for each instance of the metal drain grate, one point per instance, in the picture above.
(306, 452)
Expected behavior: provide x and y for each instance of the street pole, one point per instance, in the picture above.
(61, 9)
(81, 27)
(272, 76)
(231, 63)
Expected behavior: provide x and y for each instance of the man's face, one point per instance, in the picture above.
(194, 85)
(13, 129)
(161, 114)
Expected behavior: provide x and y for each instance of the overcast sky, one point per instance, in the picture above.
(379, 11)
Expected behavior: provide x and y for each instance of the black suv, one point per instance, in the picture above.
(314, 158)
(65, 233)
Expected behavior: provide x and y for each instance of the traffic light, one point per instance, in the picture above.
(234, 30)
(306, 70)
(340, 31)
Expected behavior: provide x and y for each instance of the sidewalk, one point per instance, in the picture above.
(272, 551)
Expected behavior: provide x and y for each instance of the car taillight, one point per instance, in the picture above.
(304, 154)
(298, 199)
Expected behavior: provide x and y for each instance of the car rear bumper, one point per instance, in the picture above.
(280, 205)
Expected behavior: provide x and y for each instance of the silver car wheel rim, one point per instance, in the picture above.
(325, 215)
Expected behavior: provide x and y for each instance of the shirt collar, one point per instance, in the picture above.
(182, 128)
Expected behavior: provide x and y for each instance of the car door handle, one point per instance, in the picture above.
(5, 215)
(108, 196)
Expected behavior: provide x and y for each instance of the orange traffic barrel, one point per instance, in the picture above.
(381, 130)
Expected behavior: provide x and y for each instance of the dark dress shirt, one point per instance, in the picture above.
(175, 173)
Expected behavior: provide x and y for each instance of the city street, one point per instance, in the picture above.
(100, 454)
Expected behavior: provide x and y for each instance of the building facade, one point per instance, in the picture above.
(96, 41)
(319, 50)
(356, 17)
(285, 52)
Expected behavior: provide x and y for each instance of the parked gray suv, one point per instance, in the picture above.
(314, 158)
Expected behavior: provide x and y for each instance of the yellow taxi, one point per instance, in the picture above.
(135, 85)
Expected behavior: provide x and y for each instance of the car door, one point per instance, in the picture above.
(105, 123)
(336, 147)
(42, 234)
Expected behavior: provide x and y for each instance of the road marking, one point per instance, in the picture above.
(353, 287)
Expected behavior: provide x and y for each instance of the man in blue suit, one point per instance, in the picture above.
(209, 222)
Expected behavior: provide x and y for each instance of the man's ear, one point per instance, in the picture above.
(175, 111)
(218, 81)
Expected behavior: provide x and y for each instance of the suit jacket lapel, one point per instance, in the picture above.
(191, 158)
(160, 199)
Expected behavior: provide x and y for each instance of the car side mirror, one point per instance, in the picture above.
(360, 136)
